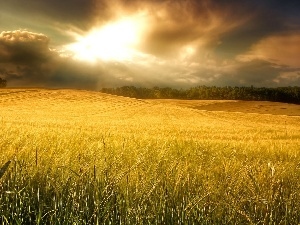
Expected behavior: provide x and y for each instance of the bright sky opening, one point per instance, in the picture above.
(114, 41)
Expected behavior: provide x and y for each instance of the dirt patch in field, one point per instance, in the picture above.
(275, 108)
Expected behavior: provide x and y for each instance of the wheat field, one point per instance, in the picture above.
(82, 157)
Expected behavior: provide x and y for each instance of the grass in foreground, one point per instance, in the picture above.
(89, 158)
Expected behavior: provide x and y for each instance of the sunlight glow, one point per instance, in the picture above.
(114, 41)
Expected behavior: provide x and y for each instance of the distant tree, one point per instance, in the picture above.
(2, 83)
(280, 94)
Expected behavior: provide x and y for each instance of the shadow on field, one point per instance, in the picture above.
(274, 108)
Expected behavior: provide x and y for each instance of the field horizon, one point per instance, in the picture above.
(85, 157)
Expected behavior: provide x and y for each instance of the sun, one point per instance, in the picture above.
(114, 41)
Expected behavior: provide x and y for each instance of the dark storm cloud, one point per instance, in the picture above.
(23, 47)
(23, 54)
(26, 60)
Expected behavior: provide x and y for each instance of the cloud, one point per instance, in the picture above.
(174, 25)
(283, 49)
(181, 43)
(76, 12)
(23, 47)
(257, 73)
(27, 60)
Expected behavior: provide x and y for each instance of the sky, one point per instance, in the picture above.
(91, 44)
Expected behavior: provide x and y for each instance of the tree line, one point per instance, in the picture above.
(3, 83)
(279, 94)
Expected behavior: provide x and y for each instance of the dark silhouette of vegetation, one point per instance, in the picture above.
(3, 83)
(279, 94)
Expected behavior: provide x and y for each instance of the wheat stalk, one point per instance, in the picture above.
(4, 168)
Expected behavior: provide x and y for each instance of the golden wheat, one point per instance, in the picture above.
(112, 159)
